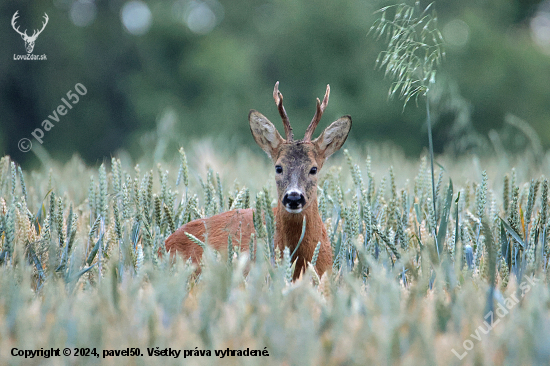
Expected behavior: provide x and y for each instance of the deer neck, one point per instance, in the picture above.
(289, 229)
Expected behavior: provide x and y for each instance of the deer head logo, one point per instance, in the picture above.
(29, 40)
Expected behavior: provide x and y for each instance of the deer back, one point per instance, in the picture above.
(214, 230)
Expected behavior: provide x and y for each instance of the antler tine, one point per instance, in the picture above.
(43, 24)
(279, 101)
(318, 114)
(15, 16)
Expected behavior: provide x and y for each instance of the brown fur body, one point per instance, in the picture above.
(239, 223)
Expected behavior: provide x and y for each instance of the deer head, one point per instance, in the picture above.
(297, 163)
(29, 41)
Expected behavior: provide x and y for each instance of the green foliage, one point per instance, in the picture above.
(210, 81)
(414, 48)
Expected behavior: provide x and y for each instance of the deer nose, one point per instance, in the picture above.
(294, 200)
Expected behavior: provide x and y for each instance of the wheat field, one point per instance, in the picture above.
(464, 284)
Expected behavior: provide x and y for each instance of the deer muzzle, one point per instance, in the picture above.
(294, 201)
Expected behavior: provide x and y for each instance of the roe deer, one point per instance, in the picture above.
(297, 164)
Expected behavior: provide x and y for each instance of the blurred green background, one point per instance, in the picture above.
(175, 71)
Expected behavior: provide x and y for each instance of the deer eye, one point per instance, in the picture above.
(278, 169)
(313, 170)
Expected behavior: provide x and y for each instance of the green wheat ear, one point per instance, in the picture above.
(183, 173)
(316, 254)
(257, 215)
(13, 180)
(287, 264)
(22, 181)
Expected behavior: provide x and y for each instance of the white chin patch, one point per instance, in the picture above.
(294, 211)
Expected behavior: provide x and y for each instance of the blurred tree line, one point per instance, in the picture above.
(183, 69)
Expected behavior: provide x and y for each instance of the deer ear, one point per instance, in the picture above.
(265, 134)
(333, 137)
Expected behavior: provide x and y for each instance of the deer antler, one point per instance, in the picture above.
(279, 101)
(317, 117)
(15, 16)
(35, 34)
